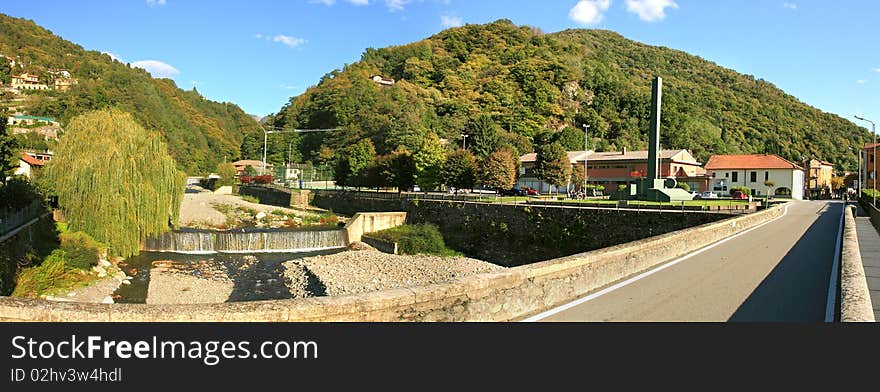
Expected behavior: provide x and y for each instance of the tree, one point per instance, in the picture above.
(552, 165)
(400, 169)
(429, 163)
(351, 164)
(499, 170)
(836, 183)
(684, 186)
(483, 136)
(8, 150)
(227, 172)
(115, 180)
(769, 184)
(572, 139)
(460, 170)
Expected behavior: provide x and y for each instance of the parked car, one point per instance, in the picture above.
(512, 192)
(739, 195)
(532, 192)
(707, 195)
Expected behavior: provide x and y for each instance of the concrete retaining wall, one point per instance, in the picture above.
(855, 298)
(380, 244)
(371, 222)
(511, 294)
(873, 212)
(275, 196)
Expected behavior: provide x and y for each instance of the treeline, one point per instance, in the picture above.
(432, 166)
(501, 83)
(200, 133)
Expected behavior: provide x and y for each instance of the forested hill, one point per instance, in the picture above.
(515, 85)
(200, 133)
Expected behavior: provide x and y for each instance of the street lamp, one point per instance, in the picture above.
(873, 157)
(464, 137)
(586, 132)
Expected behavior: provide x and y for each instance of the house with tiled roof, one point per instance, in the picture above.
(614, 168)
(28, 165)
(818, 178)
(754, 171)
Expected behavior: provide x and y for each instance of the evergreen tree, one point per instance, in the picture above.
(8, 150)
(483, 136)
(460, 170)
(429, 163)
(115, 180)
(552, 165)
(499, 170)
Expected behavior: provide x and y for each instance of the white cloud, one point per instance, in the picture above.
(791, 6)
(450, 21)
(589, 12)
(650, 10)
(877, 70)
(288, 86)
(153, 3)
(396, 5)
(861, 81)
(156, 68)
(288, 40)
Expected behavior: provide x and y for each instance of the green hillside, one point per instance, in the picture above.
(505, 84)
(199, 133)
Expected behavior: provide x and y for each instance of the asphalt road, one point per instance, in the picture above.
(778, 272)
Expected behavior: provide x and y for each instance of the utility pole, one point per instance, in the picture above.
(277, 130)
(873, 158)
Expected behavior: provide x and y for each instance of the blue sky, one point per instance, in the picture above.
(260, 53)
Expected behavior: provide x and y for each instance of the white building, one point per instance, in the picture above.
(754, 172)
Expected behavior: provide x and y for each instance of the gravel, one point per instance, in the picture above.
(180, 283)
(354, 272)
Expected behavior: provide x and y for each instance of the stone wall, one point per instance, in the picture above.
(512, 294)
(276, 196)
(515, 234)
(855, 298)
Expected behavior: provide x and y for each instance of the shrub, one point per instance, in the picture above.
(80, 250)
(250, 199)
(417, 239)
(52, 275)
(686, 187)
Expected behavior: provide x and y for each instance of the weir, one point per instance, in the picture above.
(245, 241)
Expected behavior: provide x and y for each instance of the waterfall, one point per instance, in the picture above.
(252, 241)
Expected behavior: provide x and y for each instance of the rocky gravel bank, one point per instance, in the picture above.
(356, 272)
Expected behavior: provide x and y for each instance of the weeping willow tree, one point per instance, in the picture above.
(115, 180)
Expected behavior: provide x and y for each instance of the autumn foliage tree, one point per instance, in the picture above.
(115, 180)
(499, 169)
(428, 162)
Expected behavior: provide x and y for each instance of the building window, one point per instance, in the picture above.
(754, 177)
(766, 176)
(726, 175)
(735, 177)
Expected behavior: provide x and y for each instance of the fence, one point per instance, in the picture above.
(11, 220)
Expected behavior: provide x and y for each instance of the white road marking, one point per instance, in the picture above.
(643, 275)
(832, 281)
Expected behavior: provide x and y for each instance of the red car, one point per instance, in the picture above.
(738, 195)
(532, 192)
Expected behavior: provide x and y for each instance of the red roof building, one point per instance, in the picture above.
(764, 174)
